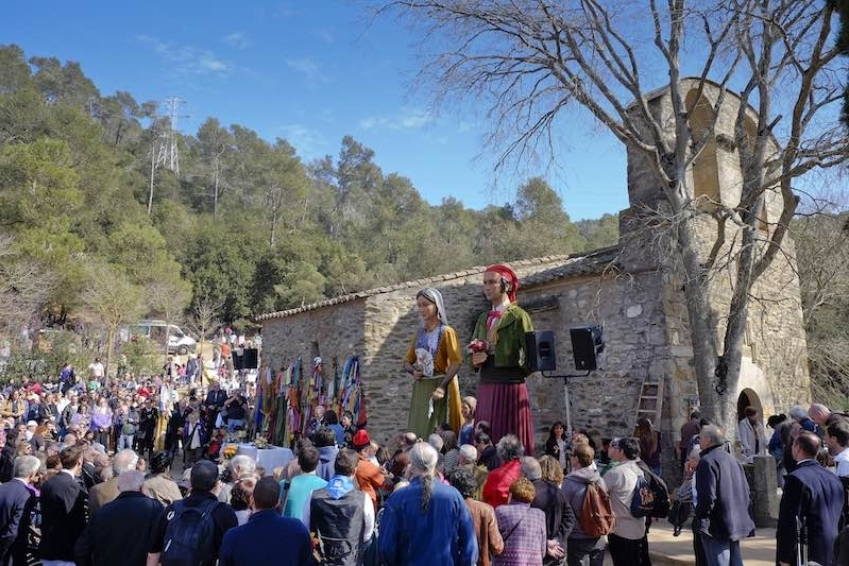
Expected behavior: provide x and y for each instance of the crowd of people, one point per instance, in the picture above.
(86, 472)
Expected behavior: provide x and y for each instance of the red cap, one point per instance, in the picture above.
(510, 275)
(361, 439)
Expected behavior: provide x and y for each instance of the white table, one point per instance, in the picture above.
(269, 458)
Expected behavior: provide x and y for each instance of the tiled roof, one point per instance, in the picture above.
(587, 263)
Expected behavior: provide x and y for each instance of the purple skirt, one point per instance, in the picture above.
(507, 408)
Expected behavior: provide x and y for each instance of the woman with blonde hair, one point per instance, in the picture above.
(468, 408)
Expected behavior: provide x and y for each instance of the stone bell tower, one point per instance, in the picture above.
(774, 375)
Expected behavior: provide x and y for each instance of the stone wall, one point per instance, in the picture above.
(381, 326)
(630, 312)
(329, 332)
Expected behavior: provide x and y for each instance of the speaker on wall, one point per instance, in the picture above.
(587, 344)
(238, 360)
(251, 358)
(540, 350)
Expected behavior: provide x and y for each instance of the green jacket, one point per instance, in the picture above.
(510, 344)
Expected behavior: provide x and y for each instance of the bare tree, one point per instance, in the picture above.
(823, 244)
(530, 60)
(169, 297)
(24, 288)
(113, 300)
(204, 316)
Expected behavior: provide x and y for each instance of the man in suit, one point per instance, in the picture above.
(122, 530)
(814, 496)
(267, 538)
(15, 497)
(214, 402)
(63, 510)
(103, 493)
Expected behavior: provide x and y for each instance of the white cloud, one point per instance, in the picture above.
(309, 143)
(238, 40)
(185, 59)
(407, 119)
(325, 35)
(308, 68)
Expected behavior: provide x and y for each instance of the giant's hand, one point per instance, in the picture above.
(479, 358)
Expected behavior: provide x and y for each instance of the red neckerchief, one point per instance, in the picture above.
(493, 317)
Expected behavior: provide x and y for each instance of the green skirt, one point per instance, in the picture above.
(420, 423)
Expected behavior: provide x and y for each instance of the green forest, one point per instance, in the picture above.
(89, 212)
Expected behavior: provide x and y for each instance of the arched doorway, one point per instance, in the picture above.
(748, 398)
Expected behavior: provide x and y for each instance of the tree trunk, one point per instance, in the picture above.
(215, 193)
(111, 331)
(152, 172)
(702, 329)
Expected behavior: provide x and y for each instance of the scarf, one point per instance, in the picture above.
(435, 297)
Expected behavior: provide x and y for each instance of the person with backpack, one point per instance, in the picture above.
(587, 493)
(190, 531)
(627, 543)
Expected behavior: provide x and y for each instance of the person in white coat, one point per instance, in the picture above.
(752, 436)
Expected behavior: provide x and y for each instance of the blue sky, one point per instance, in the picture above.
(311, 72)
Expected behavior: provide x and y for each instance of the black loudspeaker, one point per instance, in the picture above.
(251, 358)
(238, 360)
(587, 344)
(539, 347)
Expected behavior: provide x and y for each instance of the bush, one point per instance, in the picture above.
(141, 356)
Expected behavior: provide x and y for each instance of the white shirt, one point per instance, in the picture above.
(841, 464)
(96, 369)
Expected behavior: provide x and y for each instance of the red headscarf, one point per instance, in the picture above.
(509, 275)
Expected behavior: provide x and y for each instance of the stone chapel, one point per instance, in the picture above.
(631, 290)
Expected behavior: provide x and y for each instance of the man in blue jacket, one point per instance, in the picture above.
(267, 538)
(814, 497)
(427, 523)
(16, 501)
(722, 507)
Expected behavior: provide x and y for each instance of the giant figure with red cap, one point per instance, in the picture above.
(498, 352)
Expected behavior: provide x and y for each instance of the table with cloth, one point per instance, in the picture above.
(268, 458)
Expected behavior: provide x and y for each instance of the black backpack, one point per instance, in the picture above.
(679, 512)
(190, 534)
(650, 496)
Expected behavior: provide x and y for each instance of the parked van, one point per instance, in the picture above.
(178, 341)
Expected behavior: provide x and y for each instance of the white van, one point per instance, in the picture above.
(178, 341)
